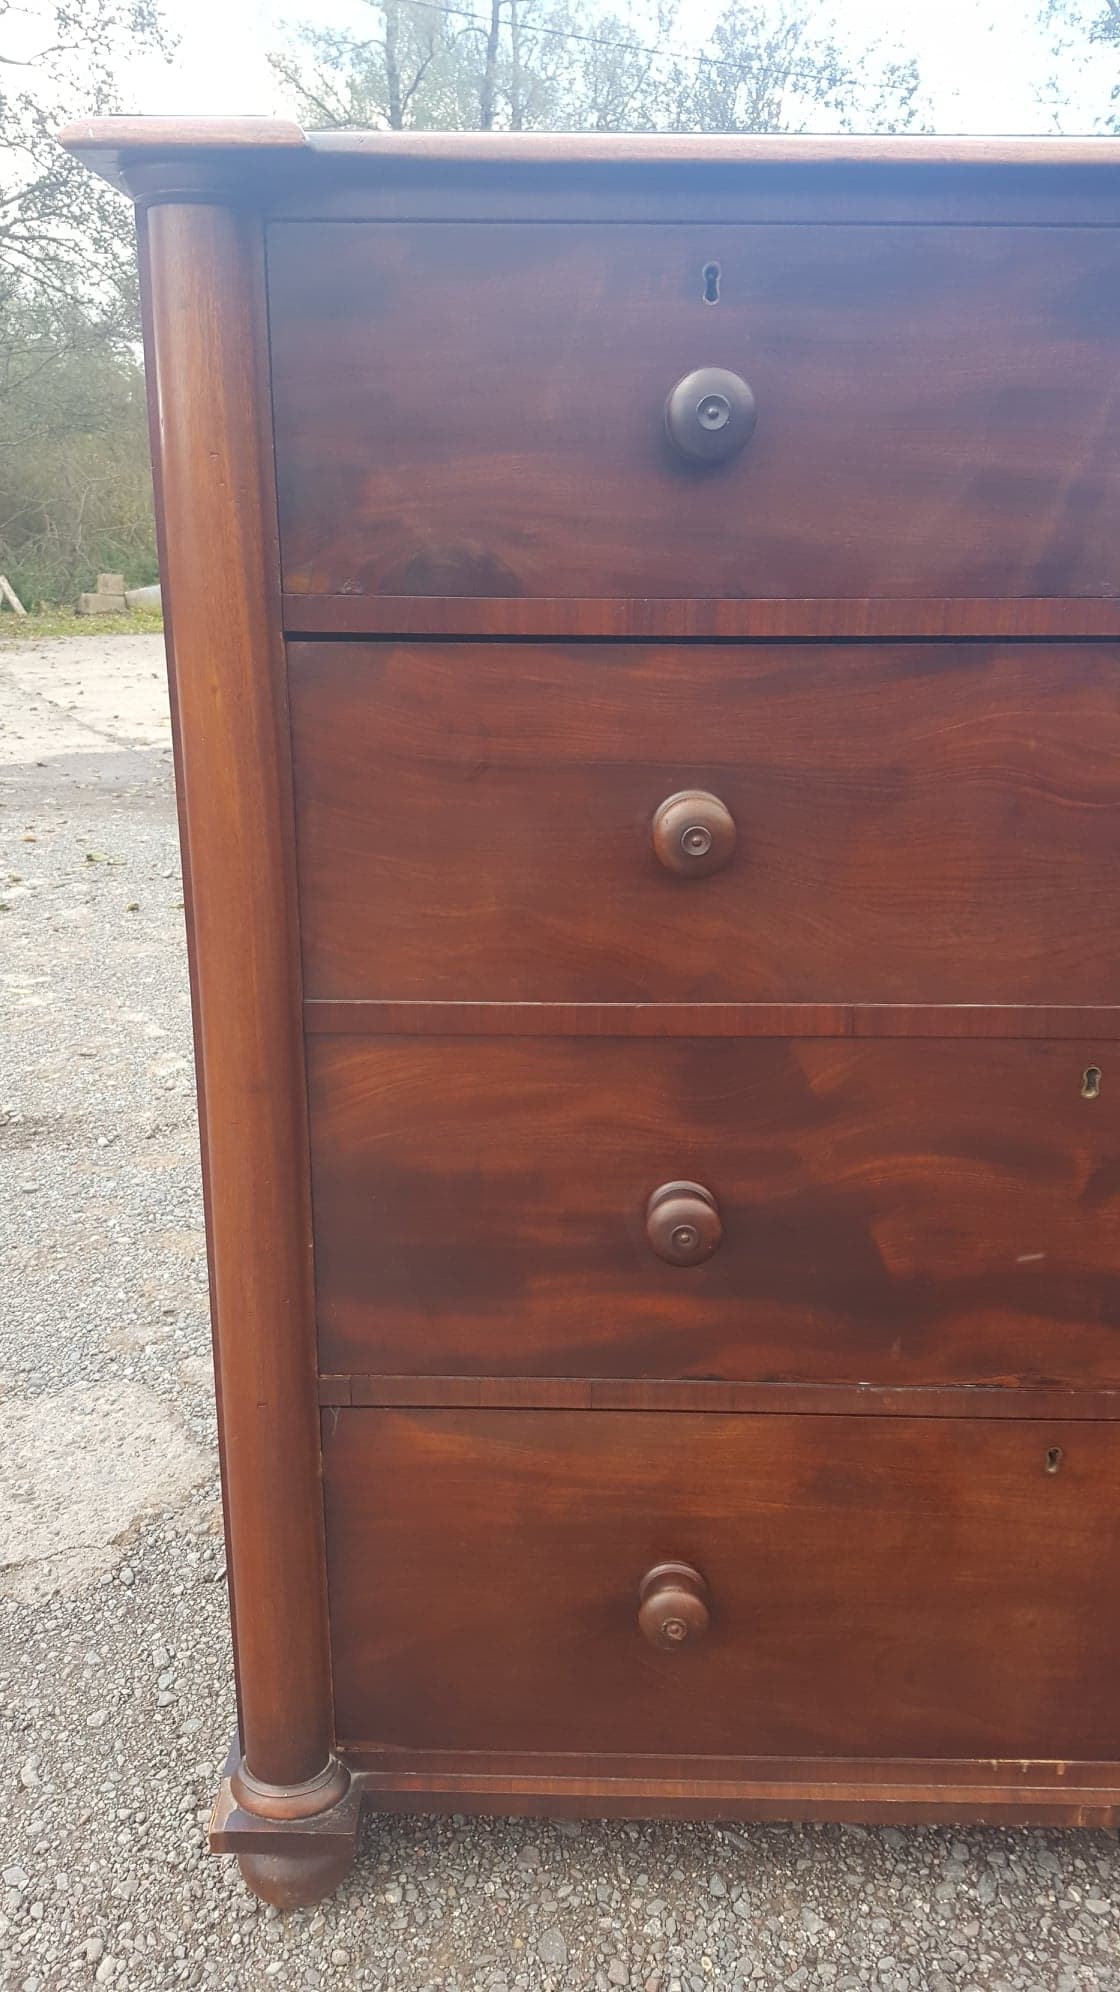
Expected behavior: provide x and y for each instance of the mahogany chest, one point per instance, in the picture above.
(645, 644)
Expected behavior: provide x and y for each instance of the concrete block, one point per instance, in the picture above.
(110, 584)
(144, 598)
(102, 605)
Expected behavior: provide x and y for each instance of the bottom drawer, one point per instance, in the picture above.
(876, 1586)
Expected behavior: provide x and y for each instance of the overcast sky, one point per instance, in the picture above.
(984, 62)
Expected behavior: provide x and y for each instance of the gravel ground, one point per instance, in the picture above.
(115, 1674)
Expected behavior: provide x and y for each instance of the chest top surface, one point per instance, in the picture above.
(248, 156)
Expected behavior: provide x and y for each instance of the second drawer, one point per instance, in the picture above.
(912, 823)
(884, 1212)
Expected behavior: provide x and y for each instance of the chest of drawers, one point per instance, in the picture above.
(645, 635)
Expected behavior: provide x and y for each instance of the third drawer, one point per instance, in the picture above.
(888, 1212)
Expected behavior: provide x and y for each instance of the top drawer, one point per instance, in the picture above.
(479, 410)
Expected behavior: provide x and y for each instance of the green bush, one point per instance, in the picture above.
(75, 482)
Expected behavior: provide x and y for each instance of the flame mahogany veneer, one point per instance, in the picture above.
(649, 891)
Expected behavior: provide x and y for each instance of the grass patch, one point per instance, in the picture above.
(63, 622)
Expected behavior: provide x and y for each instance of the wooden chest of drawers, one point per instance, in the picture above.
(646, 662)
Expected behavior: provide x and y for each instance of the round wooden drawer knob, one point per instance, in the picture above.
(710, 415)
(673, 1606)
(683, 1223)
(693, 833)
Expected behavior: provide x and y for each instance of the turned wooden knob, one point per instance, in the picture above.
(683, 1223)
(673, 1606)
(693, 833)
(710, 415)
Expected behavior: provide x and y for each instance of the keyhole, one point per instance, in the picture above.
(1053, 1458)
(1091, 1082)
(711, 283)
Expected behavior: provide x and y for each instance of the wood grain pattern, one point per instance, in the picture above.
(700, 1394)
(837, 195)
(874, 1586)
(371, 1018)
(651, 617)
(936, 413)
(872, 1794)
(281, 171)
(119, 149)
(204, 356)
(893, 1213)
(638, 150)
(840, 193)
(927, 823)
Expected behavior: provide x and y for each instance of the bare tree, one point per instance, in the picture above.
(781, 68)
(75, 489)
(1085, 46)
(572, 65)
(417, 66)
(64, 235)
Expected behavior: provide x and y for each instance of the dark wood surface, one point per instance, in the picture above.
(879, 1421)
(934, 1212)
(924, 823)
(701, 1394)
(204, 276)
(324, 1017)
(277, 169)
(149, 137)
(936, 414)
(684, 619)
(328, 185)
(875, 1586)
(871, 1793)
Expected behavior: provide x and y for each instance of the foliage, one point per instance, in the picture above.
(75, 485)
(64, 234)
(1086, 46)
(74, 479)
(784, 70)
(52, 623)
(567, 65)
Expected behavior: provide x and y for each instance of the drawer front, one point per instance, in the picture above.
(890, 1212)
(909, 1587)
(914, 823)
(480, 410)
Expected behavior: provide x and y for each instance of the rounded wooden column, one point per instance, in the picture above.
(208, 361)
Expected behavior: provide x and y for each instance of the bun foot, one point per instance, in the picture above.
(294, 1843)
(298, 1878)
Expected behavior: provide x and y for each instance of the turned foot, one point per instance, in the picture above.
(298, 1877)
(294, 1843)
